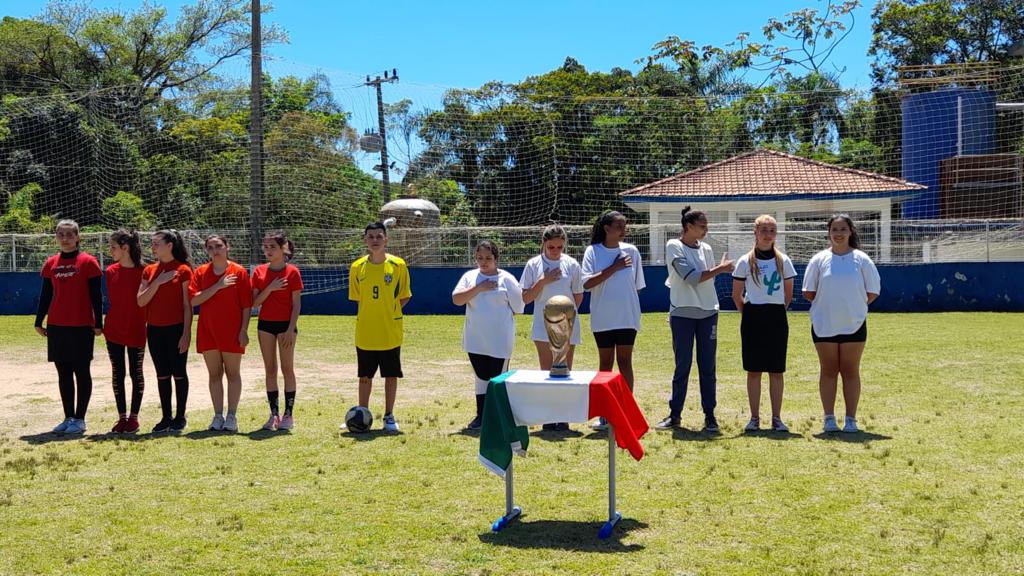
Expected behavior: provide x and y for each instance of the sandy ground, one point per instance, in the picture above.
(30, 401)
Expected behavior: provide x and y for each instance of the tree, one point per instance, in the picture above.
(124, 210)
(920, 32)
(19, 219)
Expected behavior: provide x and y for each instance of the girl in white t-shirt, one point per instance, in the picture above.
(613, 273)
(840, 282)
(762, 288)
(552, 273)
(693, 316)
(492, 297)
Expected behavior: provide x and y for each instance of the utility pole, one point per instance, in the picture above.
(256, 139)
(384, 168)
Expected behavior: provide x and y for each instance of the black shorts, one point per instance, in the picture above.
(163, 348)
(274, 327)
(71, 344)
(613, 338)
(861, 335)
(389, 362)
(764, 333)
(487, 367)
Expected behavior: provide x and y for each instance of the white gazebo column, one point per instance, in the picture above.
(657, 235)
(780, 219)
(885, 222)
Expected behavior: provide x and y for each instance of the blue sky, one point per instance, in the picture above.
(460, 43)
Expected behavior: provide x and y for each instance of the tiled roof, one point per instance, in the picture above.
(770, 173)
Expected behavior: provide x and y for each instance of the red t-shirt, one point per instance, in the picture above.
(278, 306)
(167, 307)
(126, 321)
(220, 317)
(71, 304)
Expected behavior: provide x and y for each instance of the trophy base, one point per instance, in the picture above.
(559, 372)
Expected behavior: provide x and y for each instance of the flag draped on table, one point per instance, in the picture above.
(522, 398)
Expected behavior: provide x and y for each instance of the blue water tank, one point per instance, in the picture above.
(936, 126)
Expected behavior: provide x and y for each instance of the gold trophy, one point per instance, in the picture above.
(559, 317)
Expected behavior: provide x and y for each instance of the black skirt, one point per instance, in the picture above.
(71, 344)
(764, 331)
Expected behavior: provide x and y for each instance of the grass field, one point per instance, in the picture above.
(934, 486)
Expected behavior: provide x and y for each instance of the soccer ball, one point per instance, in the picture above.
(358, 419)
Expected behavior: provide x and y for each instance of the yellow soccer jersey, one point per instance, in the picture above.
(379, 290)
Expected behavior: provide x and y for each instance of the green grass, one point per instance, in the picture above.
(935, 486)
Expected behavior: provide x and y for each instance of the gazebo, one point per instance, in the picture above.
(737, 189)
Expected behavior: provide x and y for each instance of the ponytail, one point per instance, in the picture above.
(178, 249)
(286, 244)
(691, 217)
(129, 238)
(598, 234)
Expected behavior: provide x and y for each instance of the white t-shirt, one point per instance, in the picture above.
(685, 267)
(842, 284)
(490, 327)
(570, 284)
(771, 289)
(614, 303)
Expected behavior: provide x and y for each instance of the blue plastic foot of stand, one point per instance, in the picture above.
(606, 530)
(504, 520)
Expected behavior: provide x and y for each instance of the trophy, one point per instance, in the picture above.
(559, 317)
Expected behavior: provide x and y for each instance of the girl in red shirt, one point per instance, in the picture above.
(277, 291)
(164, 295)
(72, 305)
(222, 291)
(125, 331)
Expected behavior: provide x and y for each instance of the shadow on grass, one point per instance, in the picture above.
(687, 435)
(465, 432)
(559, 435)
(855, 438)
(769, 435)
(564, 535)
(369, 434)
(260, 434)
(48, 437)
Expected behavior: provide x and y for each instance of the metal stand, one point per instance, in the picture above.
(511, 511)
(613, 515)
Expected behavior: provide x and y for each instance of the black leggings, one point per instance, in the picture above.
(163, 347)
(135, 356)
(68, 373)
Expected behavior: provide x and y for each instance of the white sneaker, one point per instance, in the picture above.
(850, 425)
(753, 426)
(600, 425)
(231, 423)
(830, 423)
(76, 426)
(389, 423)
(217, 423)
(62, 428)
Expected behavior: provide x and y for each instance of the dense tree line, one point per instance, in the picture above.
(119, 118)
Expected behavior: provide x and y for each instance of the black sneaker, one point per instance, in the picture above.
(179, 424)
(475, 424)
(162, 426)
(668, 423)
(551, 427)
(710, 424)
(562, 427)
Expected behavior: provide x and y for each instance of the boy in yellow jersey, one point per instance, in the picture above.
(379, 282)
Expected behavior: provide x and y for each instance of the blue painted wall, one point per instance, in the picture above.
(905, 288)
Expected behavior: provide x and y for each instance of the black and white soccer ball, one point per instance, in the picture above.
(358, 419)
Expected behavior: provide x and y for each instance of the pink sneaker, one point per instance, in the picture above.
(273, 422)
(287, 423)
